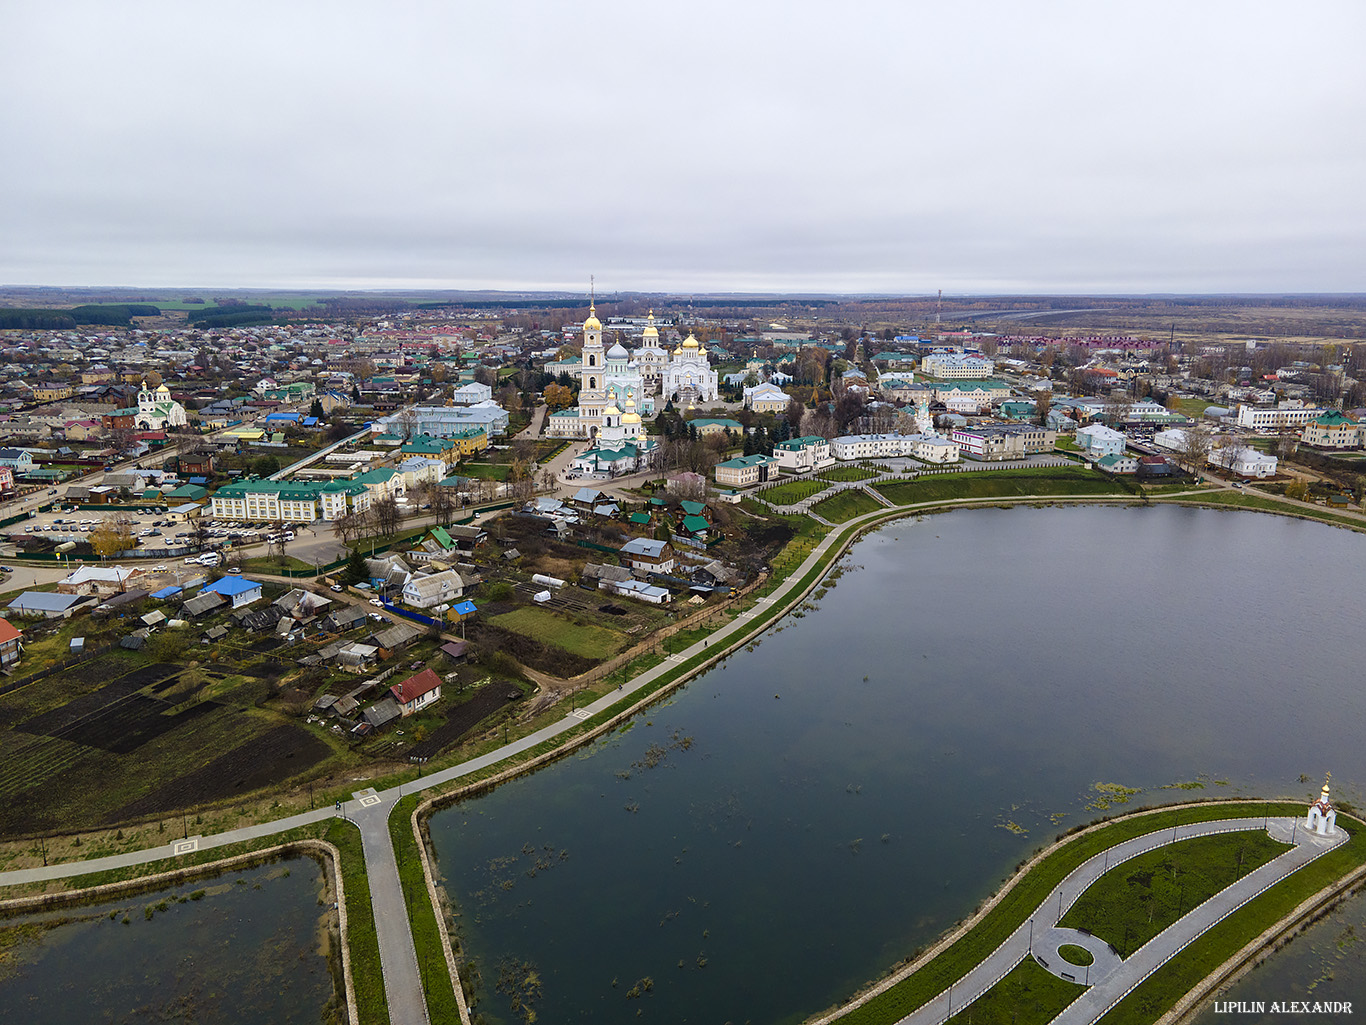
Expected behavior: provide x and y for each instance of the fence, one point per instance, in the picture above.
(416, 617)
(57, 667)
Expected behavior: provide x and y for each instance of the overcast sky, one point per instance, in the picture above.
(969, 145)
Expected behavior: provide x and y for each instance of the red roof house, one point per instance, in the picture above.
(417, 692)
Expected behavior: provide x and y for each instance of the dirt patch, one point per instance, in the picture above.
(530, 652)
(114, 718)
(463, 718)
(273, 757)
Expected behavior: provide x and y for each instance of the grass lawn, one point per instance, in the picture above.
(550, 628)
(1061, 480)
(1028, 995)
(847, 473)
(846, 505)
(1132, 903)
(793, 491)
(485, 471)
(1193, 408)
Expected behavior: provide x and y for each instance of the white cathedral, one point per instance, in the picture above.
(610, 380)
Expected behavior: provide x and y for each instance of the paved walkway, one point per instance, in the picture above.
(1110, 979)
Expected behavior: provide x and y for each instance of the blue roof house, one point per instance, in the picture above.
(238, 590)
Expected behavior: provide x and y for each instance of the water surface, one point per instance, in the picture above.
(245, 951)
(789, 825)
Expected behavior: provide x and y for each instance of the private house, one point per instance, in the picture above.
(803, 455)
(636, 589)
(49, 605)
(17, 459)
(1118, 464)
(417, 692)
(11, 646)
(433, 589)
(237, 590)
(99, 580)
(646, 555)
(395, 639)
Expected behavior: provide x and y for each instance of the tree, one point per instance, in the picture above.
(354, 572)
(113, 536)
(407, 424)
(1043, 401)
(1195, 446)
(557, 396)
(346, 527)
(316, 409)
(386, 515)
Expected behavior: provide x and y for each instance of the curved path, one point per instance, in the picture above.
(1111, 978)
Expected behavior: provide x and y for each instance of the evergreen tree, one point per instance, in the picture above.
(355, 570)
(316, 409)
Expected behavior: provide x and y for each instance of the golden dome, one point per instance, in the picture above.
(592, 323)
(678, 351)
(690, 342)
(611, 410)
(650, 330)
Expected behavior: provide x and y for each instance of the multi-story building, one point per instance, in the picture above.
(995, 442)
(955, 366)
(1258, 418)
(802, 455)
(766, 398)
(744, 471)
(1332, 430)
(289, 501)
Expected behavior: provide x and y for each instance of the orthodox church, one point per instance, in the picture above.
(157, 410)
(622, 444)
(615, 378)
(689, 378)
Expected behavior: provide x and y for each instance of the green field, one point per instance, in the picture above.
(841, 474)
(1028, 995)
(1132, 903)
(485, 471)
(549, 628)
(1060, 480)
(793, 491)
(846, 505)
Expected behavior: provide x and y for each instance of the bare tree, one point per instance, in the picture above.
(386, 514)
(1195, 446)
(346, 527)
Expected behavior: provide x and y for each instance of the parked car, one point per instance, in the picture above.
(377, 603)
(337, 587)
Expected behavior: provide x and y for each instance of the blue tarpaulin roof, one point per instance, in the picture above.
(166, 592)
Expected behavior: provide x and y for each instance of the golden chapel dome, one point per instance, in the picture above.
(650, 330)
(690, 342)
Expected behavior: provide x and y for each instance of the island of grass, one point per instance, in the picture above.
(1041, 482)
(794, 491)
(1135, 901)
(1028, 995)
(846, 505)
(841, 474)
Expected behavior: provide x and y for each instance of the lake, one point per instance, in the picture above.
(242, 948)
(792, 823)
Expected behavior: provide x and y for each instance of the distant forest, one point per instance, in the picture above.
(237, 315)
(57, 320)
